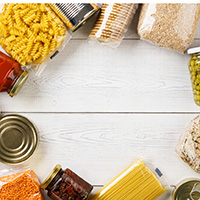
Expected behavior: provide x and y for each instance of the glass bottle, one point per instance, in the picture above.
(194, 68)
(12, 77)
(66, 185)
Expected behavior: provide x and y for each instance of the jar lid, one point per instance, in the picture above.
(19, 84)
(193, 50)
(18, 139)
(51, 176)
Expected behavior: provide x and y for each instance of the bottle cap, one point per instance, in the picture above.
(18, 139)
(19, 84)
(51, 176)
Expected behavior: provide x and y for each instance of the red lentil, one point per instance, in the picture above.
(20, 186)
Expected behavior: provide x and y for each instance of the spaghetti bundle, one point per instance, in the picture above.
(135, 182)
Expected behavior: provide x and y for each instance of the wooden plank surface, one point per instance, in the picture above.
(136, 77)
(99, 109)
(99, 146)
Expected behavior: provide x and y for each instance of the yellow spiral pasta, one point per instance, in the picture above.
(30, 32)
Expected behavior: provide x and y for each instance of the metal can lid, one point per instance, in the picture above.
(193, 50)
(85, 18)
(19, 84)
(187, 190)
(18, 139)
(51, 176)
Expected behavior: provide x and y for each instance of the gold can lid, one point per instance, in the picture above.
(188, 190)
(18, 139)
(51, 176)
(19, 84)
(85, 18)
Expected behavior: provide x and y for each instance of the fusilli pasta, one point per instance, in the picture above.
(30, 32)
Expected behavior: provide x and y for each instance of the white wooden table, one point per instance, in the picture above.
(99, 109)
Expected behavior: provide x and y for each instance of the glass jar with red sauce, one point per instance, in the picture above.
(12, 77)
(66, 185)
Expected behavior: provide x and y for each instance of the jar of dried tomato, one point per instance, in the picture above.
(66, 185)
(12, 77)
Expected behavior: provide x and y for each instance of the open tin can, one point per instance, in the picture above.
(18, 139)
(74, 14)
(188, 189)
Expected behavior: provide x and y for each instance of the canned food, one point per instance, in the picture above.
(187, 190)
(74, 14)
(18, 139)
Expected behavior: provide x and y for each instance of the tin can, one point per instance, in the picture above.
(74, 14)
(18, 139)
(187, 190)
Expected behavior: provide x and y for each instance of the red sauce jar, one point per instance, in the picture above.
(12, 77)
(66, 185)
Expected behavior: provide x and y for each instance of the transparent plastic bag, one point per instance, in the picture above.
(169, 25)
(19, 184)
(188, 147)
(112, 23)
(136, 182)
(31, 33)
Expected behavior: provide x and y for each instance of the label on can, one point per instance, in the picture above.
(74, 14)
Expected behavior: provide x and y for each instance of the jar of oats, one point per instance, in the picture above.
(169, 25)
(194, 68)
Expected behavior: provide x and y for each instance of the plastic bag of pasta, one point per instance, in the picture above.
(169, 25)
(112, 23)
(20, 185)
(137, 182)
(188, 147)
(31, 33)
